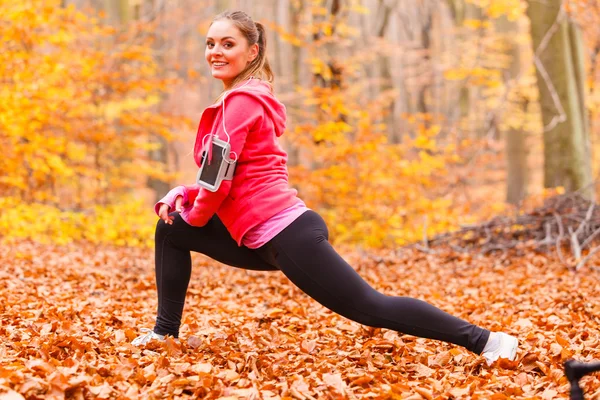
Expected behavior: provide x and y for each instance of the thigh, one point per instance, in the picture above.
(212, 240)
(305, 256)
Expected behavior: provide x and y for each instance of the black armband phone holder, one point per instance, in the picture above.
(220, 167)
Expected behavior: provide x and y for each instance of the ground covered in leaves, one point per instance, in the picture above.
(69, 313)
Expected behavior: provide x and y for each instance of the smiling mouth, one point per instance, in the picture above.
(219, 64)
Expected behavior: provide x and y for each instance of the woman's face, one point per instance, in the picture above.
(227, 51)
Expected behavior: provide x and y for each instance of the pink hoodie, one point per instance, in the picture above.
(254, 120)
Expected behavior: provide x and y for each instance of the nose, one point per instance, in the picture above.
(217, 50)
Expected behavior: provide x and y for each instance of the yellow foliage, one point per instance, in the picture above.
(318, 10)
(512, 9)
(131, 223)
(475, 24)
(372, 192)
(359, 9)
(77, 119)
(456, 74)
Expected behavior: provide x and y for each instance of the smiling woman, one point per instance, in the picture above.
(256, 221)
(228, 56)
(236, 49)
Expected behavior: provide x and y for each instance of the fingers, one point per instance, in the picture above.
(163, 213)
(178, 202)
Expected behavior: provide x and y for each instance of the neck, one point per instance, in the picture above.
(230, 85)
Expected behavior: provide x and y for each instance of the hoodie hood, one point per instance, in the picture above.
(261, 90)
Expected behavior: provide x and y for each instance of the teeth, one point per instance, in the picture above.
(219, 64)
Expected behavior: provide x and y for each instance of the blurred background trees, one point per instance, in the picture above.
(405, 118)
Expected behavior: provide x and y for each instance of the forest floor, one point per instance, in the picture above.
(68, 314)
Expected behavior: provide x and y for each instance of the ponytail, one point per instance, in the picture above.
(264, 68)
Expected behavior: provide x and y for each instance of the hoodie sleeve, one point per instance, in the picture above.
(242, 112)
(170, 198)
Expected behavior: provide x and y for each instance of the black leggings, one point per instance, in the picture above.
(303, 254)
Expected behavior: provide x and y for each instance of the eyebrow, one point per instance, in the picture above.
(223, 38)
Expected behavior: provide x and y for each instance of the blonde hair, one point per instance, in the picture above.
(254, 32)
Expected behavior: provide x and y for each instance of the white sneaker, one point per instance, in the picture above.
(500, 345)
(147, 337)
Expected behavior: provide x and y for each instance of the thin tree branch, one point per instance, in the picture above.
(561, 232)
(588, 216)
(590, 238)
(590, 254)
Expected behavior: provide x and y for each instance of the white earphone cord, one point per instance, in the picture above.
(224, 96)
(224, 128)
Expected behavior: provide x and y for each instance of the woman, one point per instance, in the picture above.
(256, 221)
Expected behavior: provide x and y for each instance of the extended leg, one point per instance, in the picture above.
(308, 260)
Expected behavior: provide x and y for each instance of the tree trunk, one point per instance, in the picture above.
(577, 48)
(560, 76)
(332, 79)
(457, 8)
(295, 11)
(161, 154)
(385, 71)
(517, 175)
(117, 11)
(276, 43)
(516, 150)
(425, 38)
(462, 10)
(369, 68)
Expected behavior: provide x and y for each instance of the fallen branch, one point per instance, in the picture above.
(567, 224)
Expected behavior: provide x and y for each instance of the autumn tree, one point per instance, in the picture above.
(75, 110)
(560, 73)
(371, 191)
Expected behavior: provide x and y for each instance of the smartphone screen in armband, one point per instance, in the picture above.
(221, 168)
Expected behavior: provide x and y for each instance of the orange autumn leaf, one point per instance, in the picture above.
(65, 340)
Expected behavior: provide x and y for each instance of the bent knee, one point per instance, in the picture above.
(162, 227)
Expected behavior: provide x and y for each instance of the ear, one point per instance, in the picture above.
(253, 52)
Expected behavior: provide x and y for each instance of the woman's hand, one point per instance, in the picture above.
(163, 212)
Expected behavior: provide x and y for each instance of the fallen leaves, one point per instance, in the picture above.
(308, 345)
(70, 313)
(9, 394)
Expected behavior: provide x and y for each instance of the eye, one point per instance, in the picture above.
(210, 45)
(228, 45)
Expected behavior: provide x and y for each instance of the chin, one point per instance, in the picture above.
(220, 76)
